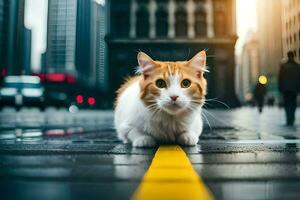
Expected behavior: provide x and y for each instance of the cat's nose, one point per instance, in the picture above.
(174, 97)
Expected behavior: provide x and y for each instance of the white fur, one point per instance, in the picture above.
(139, 125)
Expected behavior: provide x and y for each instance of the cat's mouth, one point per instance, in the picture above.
(173, 107)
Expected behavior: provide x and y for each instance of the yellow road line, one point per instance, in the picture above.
(171, 177)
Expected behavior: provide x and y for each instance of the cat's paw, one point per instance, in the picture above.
(187, 139)
(144, 141)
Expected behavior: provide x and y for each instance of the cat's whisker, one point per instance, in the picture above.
(206, 103)
(217, 101)
(151, 101)
(205, 117)
(193, 107)
(157, 110)
(196, 102)
(151, 107)
(211, 99)
(207, 112)
(220, 120)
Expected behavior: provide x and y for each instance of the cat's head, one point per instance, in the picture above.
(173, 87)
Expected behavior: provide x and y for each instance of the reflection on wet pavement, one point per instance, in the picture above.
(75, 158)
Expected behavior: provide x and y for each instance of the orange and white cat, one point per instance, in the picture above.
(162, 104)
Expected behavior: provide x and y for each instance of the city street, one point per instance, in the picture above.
(67, 67)
(61, 155)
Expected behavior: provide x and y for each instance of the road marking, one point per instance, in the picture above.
(171, 177)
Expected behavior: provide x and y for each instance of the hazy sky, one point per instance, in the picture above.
(246, 19)
(36, 20)
(246, 16)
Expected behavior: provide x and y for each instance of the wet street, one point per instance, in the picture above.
(61, 155)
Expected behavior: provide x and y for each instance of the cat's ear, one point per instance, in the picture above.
(146, 63)
(198, 62)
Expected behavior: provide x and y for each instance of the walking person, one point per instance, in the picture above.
(259, 94)
(289, 86)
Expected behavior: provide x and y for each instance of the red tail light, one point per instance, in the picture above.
(3, 72)
(91, 101)
(55, 77)
(79, 99)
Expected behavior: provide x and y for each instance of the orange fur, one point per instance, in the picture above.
(163, 70)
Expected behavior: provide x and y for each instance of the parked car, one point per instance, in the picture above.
(21, 91)
(59, 88)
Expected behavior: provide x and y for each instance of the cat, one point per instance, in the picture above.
(162, 103)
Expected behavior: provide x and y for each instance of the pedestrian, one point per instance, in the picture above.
(289, 86)
(259, 93)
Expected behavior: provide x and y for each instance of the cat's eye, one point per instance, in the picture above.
(160, 83)
(185, 83)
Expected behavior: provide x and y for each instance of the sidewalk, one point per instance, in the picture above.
(270, 124)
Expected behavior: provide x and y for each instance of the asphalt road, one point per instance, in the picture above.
(62, 155)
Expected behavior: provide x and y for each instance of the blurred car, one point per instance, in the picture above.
(59, 88)
(21, 91)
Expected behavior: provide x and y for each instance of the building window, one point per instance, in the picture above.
(200, 23)
(161, 23)
(121, 24)
(220, 24)
(142, 23)
(181, 23)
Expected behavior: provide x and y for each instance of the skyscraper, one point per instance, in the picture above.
(11, 35)
(99, 69)
(83, 41)
(61, 36)
(27, 51)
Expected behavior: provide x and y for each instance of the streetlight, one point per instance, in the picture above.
(263, 80)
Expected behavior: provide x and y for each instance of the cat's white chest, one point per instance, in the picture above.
(165, 128)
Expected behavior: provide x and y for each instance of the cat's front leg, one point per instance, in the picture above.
(140, 139)
(187, 138)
